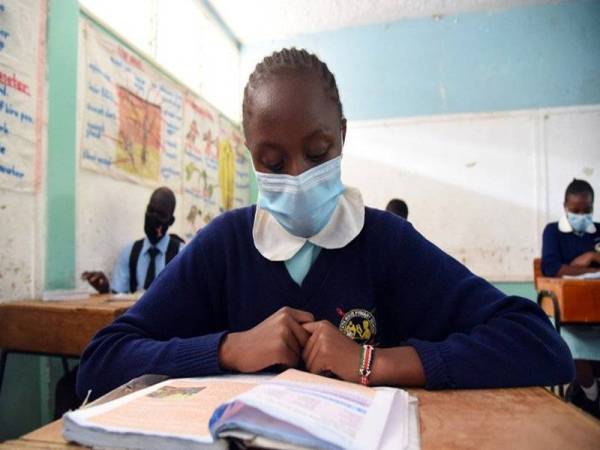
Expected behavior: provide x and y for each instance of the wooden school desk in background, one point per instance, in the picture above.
(520, 418)
(54, 328)
(569, 301)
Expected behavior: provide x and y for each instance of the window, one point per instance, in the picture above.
(185, 40)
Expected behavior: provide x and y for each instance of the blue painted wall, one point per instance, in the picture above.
(528, 57)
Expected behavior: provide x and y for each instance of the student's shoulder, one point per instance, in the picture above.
(379, 217)
(551, 229)
(239, 217)
(383, 223)
(235, 223)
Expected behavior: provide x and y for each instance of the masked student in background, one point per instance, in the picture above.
(138, 264)
(311, 278)
(141, 261)
(571, 246)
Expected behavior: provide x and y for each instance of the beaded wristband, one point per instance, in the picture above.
(367, 354)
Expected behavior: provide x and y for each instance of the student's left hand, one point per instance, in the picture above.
(328, 350)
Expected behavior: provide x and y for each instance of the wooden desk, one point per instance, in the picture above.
(56, 328)
(570, 301)
(524, 418)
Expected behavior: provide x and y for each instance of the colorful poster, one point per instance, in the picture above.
(215, 166)
(22, 63)
(132, 115)
(201, 191)
(234, 166)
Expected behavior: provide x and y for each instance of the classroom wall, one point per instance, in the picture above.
(87, 220)
(470, 118)
(109, 212)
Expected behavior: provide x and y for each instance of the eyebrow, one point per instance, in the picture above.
(320, 130)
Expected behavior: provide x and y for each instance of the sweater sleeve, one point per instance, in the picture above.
(174, 329)
(551, 257)
(466, 332)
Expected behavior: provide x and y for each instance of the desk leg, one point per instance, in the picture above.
(552, 296)
(3, 356)
(557, 323)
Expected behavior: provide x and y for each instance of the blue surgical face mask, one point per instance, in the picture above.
(302, 204)
(580, 222)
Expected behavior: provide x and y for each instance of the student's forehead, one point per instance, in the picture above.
(582, 197)
(282, 98)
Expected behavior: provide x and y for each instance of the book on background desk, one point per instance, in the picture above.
(293, 410)
(583, 276)
(67, 294)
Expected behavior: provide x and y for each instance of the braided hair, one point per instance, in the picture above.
(577, 187)
(290, 61)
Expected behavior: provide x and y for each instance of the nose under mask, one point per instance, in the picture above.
(302, 204)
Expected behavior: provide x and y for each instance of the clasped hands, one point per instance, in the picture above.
(288, 337)
(586, 259)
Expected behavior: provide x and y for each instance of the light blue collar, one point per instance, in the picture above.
(299, 264)
(160, 245)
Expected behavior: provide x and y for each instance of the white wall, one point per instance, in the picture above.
(22, 241)
(109, 212)
(481, 186)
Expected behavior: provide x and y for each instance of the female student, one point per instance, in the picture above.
(571, 246)
(311, 278)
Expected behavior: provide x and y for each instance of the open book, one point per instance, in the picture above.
(293, 410)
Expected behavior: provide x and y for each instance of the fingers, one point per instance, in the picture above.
(297, 314)
(311, 351)
(299, 332)
(311, 327)
(289, 339)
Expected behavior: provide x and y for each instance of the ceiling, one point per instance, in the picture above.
(258, 20)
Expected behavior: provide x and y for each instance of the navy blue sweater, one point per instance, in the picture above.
(560, 248)
(467, 333)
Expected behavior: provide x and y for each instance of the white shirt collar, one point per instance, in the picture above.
(565, 226)
(275, 243)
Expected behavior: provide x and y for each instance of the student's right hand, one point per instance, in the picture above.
(586, 259)
(279, 339)
(98, 280)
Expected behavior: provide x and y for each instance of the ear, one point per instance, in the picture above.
(343, 130)
(172, 221)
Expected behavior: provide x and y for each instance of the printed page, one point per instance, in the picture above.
(344, 414)
(180, 407)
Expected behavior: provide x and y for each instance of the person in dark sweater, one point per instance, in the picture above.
(571, 246)
(311, 278)
(398, 206)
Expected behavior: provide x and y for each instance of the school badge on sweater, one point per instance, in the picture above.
(359, 325)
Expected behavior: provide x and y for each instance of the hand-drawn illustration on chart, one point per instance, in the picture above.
(132, 116)
(22, 65)
(215, 166)
(138, 143)
(234, 168)
(200, 182)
